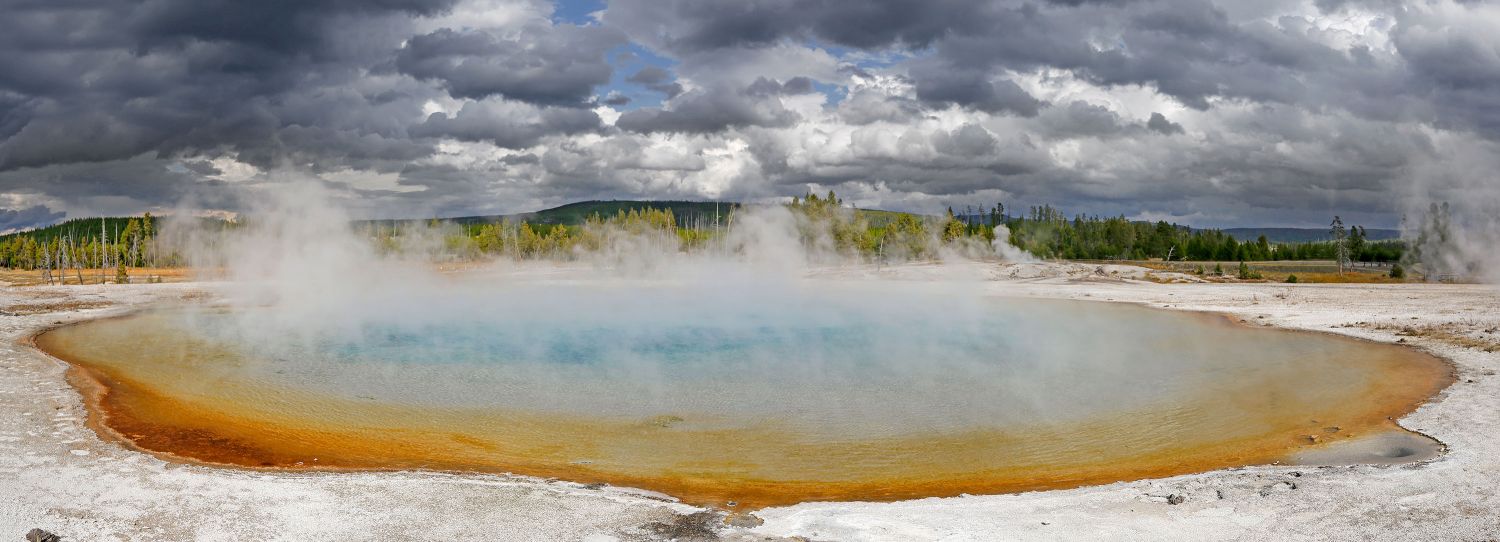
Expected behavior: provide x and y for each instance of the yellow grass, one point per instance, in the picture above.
(1309, 271)
(138, 275)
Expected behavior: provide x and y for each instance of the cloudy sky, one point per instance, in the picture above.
(1211, 113)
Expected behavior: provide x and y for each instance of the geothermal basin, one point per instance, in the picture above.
(740, 397)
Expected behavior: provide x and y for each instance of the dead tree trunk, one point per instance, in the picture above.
(103, 260)
(46, 264)
(77, 261)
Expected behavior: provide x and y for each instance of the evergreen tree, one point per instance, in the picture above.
(1246, 273)
(1340, 248)
(1356, 243)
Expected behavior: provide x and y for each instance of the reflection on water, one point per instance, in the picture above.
(818, 397)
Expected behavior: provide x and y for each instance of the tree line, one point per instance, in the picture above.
(825, 226)
(95, 245)
(1047, 233)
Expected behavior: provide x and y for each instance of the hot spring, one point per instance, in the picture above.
(742, 395)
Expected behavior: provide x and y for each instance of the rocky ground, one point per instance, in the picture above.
(56, 474)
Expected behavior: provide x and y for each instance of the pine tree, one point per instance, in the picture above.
(1356, 243)
(1340, 248)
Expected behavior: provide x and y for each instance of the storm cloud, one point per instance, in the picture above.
(36, 215)
(1224, 113)
(553, 65)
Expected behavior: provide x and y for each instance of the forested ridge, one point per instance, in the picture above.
(823, 223)
(86, 243)
(1047, 233)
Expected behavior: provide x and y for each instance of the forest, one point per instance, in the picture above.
(824, 224)
(1047, 233)
(93, 244)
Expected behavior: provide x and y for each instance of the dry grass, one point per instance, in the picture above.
(1311, 271)
(24, 309)
(1335, 278)
(1465, 335)
(196, 296)
(138, 275)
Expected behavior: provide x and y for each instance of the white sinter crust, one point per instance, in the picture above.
(56, 474)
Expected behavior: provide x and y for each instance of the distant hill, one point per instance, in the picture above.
(1303, 235)
(699, 214)
(687, 212)
(77, 229)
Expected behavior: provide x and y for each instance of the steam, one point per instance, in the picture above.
(1007, 251)
(303, 283)
(1450, 205)
(1459, 245)
(294, 241)
(636, 327)
(297, 270)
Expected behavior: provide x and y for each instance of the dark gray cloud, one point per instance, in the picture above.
(119, 186)
(705, 111)
(615, 99)
(691, 25)
(1454, 64)
(1079, 119)
(657, 79)
(1188, 49)
(29, 217)
(943, 86)
(770, 87)
(99, 81)
(286, 26)
(868, 106)
(508, 125)
(650, 75)
(1159, 123)
(970, 140)
(549, 65)
(1297, 107)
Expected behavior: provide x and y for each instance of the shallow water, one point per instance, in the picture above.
(809, 394)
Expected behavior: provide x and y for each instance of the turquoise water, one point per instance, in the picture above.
(928, 358)
(762, 394)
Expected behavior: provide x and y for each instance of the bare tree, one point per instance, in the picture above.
(77, 259)
(46, 263)
(103, 255)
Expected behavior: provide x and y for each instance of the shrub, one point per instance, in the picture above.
(1218, 270)
(1291, 279)
(1398, 272)
(1248, 274)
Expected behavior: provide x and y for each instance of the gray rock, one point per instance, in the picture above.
(745, 521)
(1277, 487)
(38, 535)
(696, 527)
